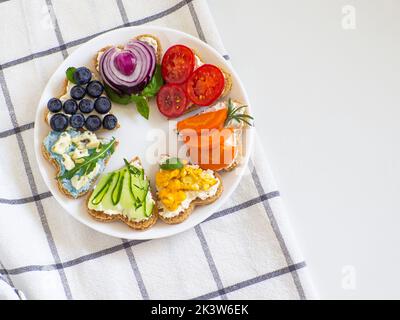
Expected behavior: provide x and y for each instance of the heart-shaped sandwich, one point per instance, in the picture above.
(129, 69)
(125, 195)
(182, 186)
(79, 156)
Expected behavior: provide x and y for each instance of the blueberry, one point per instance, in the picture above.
(77, 92)
(95, 89)
(59, 122)
(110, 122)
(70, 106)
(86, 105)
(93, 123)
(82, 75)
(102, 105)
(77, 121)
(54, 105)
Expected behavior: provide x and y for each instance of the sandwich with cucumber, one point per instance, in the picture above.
(124, 195)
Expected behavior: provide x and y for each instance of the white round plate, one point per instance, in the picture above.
(135, 133)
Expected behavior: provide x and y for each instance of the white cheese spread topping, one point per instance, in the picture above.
(150, 41)
(62, 144)
(197, 61)
(79, 153)
(67, 162)
(86, 140)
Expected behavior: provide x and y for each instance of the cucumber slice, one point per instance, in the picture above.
(139, 188)
(116, 193)
(149, 205)
(103, 190)
(125, 190)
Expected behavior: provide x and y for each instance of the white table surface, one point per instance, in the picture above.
(327, 105)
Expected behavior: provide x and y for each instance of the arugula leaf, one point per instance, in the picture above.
(154, 85)
(90, 168)
(115, 97)
(141, 105)
(90, 161)
(70, 74)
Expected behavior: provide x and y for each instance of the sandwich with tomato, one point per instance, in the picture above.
(189, 82)
(214, 136)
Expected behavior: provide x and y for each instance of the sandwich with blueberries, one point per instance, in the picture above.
(72, 146)
(83, 104)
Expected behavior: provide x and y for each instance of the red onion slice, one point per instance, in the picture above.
(128, 70)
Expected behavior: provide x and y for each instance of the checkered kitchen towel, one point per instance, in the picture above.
(243, 251)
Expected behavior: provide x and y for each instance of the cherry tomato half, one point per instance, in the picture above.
(172, 100)
(177, 64)
(205, 85)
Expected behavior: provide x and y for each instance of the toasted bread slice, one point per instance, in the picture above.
(137, 225)
(196, 202)
(159, 47)
(55, 163)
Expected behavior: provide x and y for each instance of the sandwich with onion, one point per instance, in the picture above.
(131, 73)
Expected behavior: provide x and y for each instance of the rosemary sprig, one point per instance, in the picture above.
(234, 114)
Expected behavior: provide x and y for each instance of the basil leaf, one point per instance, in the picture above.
(115, 97)
(87, 164)
(154, 85)
(141, 105)
(70, 74)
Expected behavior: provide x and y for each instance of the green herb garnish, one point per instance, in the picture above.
(140, 99)
(89, 162)
(154, 85)
(70, 74)
(171, 164)
(234, 114)
(115, 97)
(132, 169)
(141, 105)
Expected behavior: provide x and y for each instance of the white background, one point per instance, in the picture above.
(327, 106)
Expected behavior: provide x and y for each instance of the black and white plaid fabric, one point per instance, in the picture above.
(244, 251)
